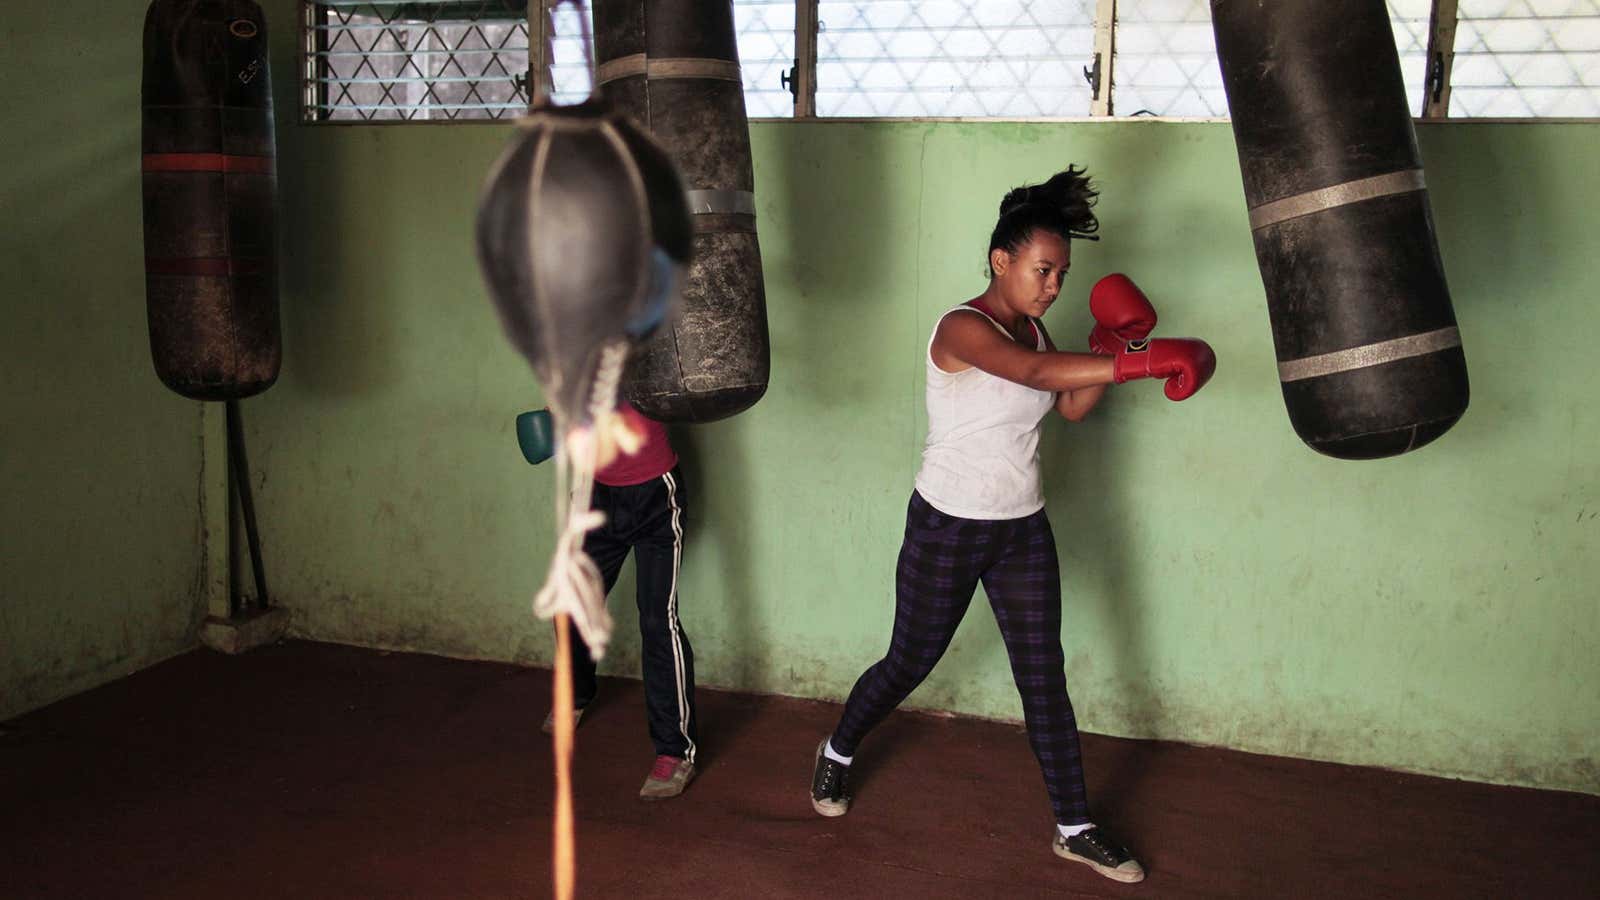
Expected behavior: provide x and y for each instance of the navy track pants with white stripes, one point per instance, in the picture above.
(647, 519)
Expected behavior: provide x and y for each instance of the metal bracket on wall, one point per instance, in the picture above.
(232, 625)
(239, 469)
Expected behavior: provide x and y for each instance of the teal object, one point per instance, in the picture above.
(536, 436)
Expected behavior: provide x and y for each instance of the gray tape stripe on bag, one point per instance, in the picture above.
(668, 67)
(1369, 355)
(1338, 195)
(721, 202)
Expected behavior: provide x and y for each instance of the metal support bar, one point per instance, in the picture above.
(216, 510)
(804, 76)
(1103, 72)
(241, 486)
(1441, 56)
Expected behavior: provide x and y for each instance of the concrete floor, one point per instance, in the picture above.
(310, 771)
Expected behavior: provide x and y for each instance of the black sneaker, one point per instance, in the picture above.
(1099, 852)
(830, 785)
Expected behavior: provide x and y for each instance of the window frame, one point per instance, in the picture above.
(313, 90)
(802, 75)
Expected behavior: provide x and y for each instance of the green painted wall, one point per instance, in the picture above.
(100, 555)
(1224, 584)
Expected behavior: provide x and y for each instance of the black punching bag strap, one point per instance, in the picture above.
(721, 202)
(659, 69)
(1337, 195)
(722, 210)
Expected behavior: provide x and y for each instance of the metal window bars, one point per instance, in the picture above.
(954, 58)
(1166, 60)
(446, 60)
(451, 60)
(1518, 58)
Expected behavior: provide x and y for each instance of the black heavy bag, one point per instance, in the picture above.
(1368, 353)
(210, 199)
(582, 238)
(673, 65)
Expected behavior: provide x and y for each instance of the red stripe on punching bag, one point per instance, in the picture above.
(207, 162)
(218, 267)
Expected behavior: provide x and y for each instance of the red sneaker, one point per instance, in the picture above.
(668, 777)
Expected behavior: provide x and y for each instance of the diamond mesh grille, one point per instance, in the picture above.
(467, 59)
(1520, 58)
(1003, 58)
(416, 61)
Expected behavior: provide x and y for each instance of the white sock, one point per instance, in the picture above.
(1070, 830)
(835, 755)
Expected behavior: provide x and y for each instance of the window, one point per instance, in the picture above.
(1166, 60)
(569, 70)
(452, 60)
(1517, 58)
(1409, 19)
(982, 58)
(1042, 58)
(766, 55)
(765, 30)
(444, 60)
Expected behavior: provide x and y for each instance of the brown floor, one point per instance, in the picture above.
(311, 771)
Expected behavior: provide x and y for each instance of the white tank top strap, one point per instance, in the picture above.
(1038, 334)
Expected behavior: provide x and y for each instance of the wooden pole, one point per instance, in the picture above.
(565, 856)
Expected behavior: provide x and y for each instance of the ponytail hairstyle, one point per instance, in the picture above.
(1060, 206)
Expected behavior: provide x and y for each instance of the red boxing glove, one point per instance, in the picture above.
(1122, 312)
(1186, 363)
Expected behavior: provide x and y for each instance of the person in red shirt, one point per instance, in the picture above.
(641, 495)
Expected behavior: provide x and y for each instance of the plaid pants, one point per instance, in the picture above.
(942, 559)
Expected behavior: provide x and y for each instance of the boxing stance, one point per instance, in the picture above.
(977, 511)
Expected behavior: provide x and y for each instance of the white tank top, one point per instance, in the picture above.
(981, 458)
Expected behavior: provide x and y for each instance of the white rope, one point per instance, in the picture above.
(574, 585)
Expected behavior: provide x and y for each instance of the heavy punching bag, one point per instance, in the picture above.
(210, 199)
(1369, 357)
(673, 65)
